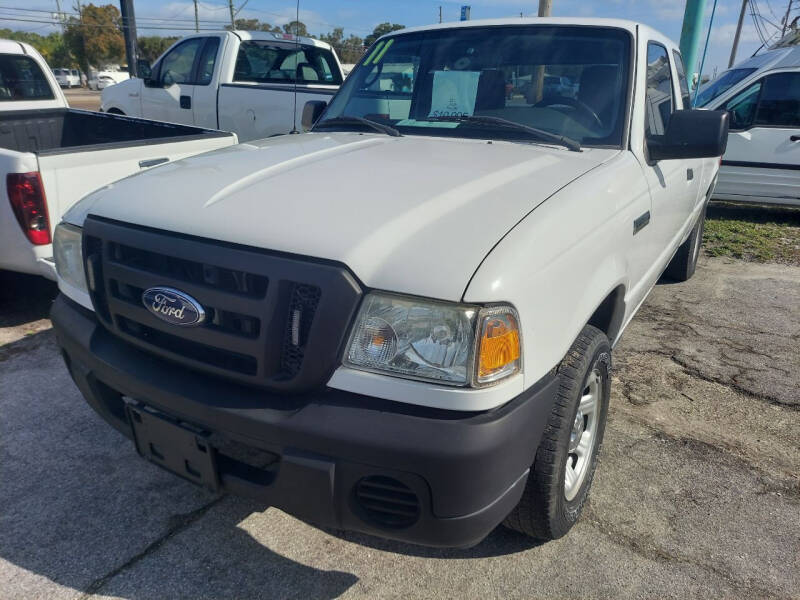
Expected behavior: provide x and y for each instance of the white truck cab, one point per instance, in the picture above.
(762, 95)
(239, 81)
(402, 321)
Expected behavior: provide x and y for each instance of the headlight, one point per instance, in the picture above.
(68, 254)
(434, 341)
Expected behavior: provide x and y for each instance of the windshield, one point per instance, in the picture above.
(570, 81)
(721, 85)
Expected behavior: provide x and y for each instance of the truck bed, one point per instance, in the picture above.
(64, 130)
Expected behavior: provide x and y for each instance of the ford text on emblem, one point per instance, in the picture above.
(173, 306)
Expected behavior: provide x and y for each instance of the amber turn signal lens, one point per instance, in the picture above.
(499, 347)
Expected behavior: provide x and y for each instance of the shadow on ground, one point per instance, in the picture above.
(78, 506)
(24, 298)
(780, 215)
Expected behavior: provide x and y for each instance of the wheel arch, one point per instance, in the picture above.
(610, 314)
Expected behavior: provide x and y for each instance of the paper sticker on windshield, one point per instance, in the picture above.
(454, 93)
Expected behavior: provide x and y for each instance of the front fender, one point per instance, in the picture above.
(124, 96)
(561, 262)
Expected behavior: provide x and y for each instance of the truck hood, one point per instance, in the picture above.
(410, 214)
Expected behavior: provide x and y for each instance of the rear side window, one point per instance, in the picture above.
(272, 62)
(779, 104)
(22, 79)
(659, 94)
(682, 82)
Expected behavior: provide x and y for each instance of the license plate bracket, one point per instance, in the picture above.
(174, 446)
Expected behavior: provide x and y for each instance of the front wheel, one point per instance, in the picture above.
(565, 462)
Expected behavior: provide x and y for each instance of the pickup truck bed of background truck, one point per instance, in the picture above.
(238, 81)
(420, 351)
(51, 158)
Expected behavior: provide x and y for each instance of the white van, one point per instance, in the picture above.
(762, 95)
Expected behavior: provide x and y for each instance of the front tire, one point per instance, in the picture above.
(565, 462)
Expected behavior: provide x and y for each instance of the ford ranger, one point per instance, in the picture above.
(401, 322)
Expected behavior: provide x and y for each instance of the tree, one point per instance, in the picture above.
(153, 46)
(296, 28)
(349, 50)
(254, 25)
(95, 36)
(380, 30)
(51, 47)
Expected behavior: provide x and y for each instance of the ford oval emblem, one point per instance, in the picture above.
(173, 306)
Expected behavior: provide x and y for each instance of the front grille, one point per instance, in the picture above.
(272, 320)
(387, 501)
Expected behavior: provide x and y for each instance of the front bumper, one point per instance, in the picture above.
(307, 454)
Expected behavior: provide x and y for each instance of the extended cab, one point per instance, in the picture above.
(238, 81)
(401, 322)
(51, 156)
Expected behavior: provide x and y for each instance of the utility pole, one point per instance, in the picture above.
(786, 18)
(545, 7)
(738, 34)
(690, 34)
(440, 13)
(233, 14)
(196, 20)
(129, 30)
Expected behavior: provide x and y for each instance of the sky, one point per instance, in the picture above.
(359, 17)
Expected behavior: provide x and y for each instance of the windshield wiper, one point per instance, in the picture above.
(379, 127)
(540, 133)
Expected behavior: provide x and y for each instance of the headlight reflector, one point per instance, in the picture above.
(68, 254)
(420, 339)
(435, 341)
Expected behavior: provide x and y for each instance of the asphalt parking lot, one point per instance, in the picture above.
(83, 99)
(697, 493)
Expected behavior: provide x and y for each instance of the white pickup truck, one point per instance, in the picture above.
(50, 156)
(401, 322)
(238, 81)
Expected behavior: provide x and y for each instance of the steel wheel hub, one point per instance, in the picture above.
(583, 435)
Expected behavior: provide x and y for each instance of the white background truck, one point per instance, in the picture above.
(51, 156)
(237, 81)
(401, 322)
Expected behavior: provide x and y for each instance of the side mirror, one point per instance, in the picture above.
(143, 70)
(312, 111)
(692, 134)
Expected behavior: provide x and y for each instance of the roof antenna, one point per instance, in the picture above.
(296, 64)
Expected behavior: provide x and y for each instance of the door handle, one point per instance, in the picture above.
(144, 164)
(689, 174)
(186, 102)
(641, 222)
(795, 138)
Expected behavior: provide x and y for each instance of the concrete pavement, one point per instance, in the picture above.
(697, 492)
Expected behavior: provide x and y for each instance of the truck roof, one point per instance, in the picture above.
(630, 26)
(777, 59)
(14, 47)
(281, 37)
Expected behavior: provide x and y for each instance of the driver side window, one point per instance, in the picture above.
(177, 66)
(742, 107)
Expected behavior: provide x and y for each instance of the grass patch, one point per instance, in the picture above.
(757, 233)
